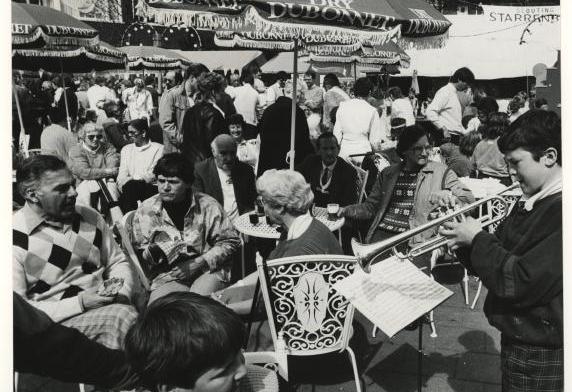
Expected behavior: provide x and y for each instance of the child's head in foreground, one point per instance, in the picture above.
(187, 342)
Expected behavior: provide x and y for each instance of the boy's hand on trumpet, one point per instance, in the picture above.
(460, 234)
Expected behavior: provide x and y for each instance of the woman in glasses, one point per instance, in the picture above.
(91, 160)
(406, 192)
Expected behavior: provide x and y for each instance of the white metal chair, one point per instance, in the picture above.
(301, 304)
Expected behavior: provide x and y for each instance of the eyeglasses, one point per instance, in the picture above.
(420, 149)
(93, 137)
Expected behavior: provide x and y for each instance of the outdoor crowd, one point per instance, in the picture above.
(185, 164)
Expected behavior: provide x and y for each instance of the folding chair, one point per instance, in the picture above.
(301, 305)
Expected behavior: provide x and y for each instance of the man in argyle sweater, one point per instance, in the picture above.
(63, 252)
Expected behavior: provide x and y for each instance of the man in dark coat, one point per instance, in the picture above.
(225, 178)
(275, 134)
(231, 183)
(332, 179)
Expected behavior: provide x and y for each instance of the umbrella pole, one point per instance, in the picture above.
(355, 71)
(23, 146)
(292, 152)
(65, 95)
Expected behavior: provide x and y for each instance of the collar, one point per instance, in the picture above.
(299, 226)
(554, 187)
(143, 147)
(89, 150)
(33, 220)
(157, 206)
(331, 167)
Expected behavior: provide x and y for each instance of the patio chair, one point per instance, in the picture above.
(301, 305)
(123, 229)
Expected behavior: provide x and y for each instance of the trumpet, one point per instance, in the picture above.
(367, 253)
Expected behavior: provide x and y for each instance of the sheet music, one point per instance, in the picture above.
(393, 295)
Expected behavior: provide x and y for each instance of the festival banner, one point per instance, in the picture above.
(312, 21)
(92, 10)
(511, 15)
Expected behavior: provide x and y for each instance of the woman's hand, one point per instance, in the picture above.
(443, 198)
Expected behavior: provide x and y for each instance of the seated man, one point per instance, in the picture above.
(188, 229)
(135, 178)
(62, 252)
(226, 179)
(332, 179)
(94, 159)
(186, 342)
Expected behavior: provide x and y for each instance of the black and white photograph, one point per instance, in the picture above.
(285, 196)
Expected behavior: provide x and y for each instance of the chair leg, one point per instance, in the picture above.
(354, 366)
(477, 294)
(81, 387)
(466, 287)
(432, 325)
(16, 381)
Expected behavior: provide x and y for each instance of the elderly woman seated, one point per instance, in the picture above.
(287, 199)
(91, 160)
(135, 178)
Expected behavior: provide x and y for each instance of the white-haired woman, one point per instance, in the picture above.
(287, 199)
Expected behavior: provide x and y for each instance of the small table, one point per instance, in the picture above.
(264, 230)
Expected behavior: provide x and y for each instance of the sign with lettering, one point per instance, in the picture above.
(514, 15)
(287, 19)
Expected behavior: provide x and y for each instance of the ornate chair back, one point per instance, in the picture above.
(302, 305)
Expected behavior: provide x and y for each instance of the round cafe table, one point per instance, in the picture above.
(264, 230)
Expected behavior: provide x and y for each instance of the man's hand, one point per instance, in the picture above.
(188, 269)
(443, 198)
(460, 234)
(91, 300)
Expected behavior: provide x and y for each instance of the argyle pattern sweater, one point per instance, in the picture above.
(53, 262)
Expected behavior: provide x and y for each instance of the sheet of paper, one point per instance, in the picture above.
(393, 295)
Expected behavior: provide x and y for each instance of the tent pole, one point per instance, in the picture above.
(292, 152)
(65, 95)
(22, 144)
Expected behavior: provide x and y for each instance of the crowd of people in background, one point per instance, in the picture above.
(188, 157)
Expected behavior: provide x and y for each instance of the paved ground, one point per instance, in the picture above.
(463, 357)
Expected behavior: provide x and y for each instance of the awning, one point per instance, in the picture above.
(223, 59)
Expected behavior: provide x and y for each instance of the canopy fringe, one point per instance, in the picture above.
(56, 40)
(253, 26)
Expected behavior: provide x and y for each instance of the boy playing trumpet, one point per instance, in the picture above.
(521, 264)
